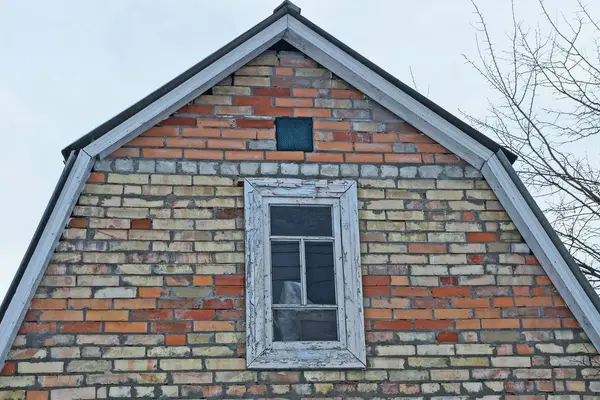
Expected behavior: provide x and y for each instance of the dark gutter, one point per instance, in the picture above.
(286, 8)
(38, 233)
(585, 284)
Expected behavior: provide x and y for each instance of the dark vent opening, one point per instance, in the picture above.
(294, 134)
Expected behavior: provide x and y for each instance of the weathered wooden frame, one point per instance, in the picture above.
(260, 353)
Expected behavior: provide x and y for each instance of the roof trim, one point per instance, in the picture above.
(39, 253)
(539, 235)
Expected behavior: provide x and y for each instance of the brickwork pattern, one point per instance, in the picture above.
(144, 296)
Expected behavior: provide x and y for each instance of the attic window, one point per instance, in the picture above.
(303, 276)
(294, 134)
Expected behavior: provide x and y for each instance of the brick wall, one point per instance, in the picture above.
(144, 296)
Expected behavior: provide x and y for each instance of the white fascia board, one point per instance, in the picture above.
(543, 248)
(42, 254)
(187, 91)
(385, 93)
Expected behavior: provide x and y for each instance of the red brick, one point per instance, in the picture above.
(533, 301)
(301, 92)
(378, 313)
(413, 314)
(324, 157)
(216, 122)
(398, 325)
(135, 303)
(411, 292)
(271, 91)
(556, 312)
(482, 237)
(171, 326)
(78, 223)
(175, 340)
(500, 323)
(256, 123)
(195, 109)
(448, 281)
(466, 324)
(182, 121)
(46, 327)
(48, 304)
(275, 112)
(431, 303)
(452, 313)
(107, 315)
(447, 337)
(186, 142)
(203, 154)
(373, 147)
(470, 302)
(217, 304)
(161, 153)
(412, 137)
(252, 101)
(333, 146)
(231, 291)
(231, 315)
(226, 144)
(196, 315)
(293, 102)
(346, 94)
(80, 327)
(503, 302)
(284, 155)
(151, 315)
(94, 304)
(150, 292)
(244, 155)
(200, 132)
(126, 327)
(284, 71)
(178, 303)
(97, 177)
(229, 280)
(37, 395)
(239, 133)
(375, 291)
(145, 223)
(312, 112)
(540, 323)
(424, 324)
(363, 158)
(524, 349)
(9, 368)
(384, 137)
(451, 291)
(332, 125)
(426, 248)
(375, 280)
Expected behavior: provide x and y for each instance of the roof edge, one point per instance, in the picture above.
(286, 8)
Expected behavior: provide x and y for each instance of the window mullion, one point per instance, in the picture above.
(303, 272)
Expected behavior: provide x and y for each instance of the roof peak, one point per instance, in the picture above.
(289, 5)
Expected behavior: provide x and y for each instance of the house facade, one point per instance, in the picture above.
(204, 248)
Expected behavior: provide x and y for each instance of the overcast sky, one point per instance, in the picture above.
(68, 66)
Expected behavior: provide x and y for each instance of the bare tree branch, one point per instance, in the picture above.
(548, 83)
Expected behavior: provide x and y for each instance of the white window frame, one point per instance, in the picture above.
(261, 351)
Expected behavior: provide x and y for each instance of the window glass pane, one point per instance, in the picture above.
(301, 221)
(294, 134)
(320, 279)
(285, 261)
(305, 325)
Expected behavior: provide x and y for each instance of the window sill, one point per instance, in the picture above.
(306, 359)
